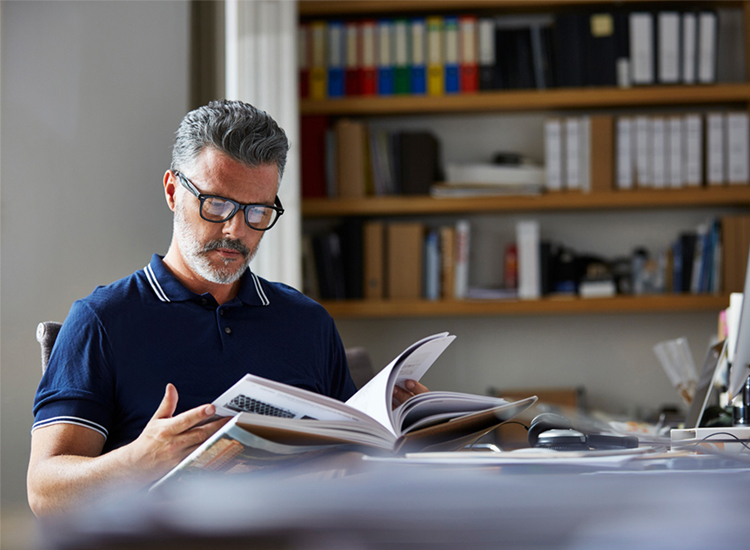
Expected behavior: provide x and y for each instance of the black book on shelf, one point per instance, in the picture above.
(570, 45)
(328, 262)
(524, 61)
(505, 58)
(350, 234)
(687, 246)
(601, 67)
(419, 162)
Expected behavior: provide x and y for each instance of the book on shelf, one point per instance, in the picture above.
(715, 147)
(404, 260)
(553, 154)
(529, 272)
(274, 423)
(451, 53)
(464, 52)
(401, 74)
(385, 58)
(374, 258)
(435, 56)
(336, 51)
(461, 255)
(491, 174)
(418, 60)
(738, 148)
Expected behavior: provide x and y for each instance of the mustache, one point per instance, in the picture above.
(232, 244)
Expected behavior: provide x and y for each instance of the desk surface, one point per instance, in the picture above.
(685, 502)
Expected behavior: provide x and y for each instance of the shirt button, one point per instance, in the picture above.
(204, 301)
(221, 312)
(228, 330)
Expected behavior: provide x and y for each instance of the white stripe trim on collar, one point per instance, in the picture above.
(155, 284)
(259, 289)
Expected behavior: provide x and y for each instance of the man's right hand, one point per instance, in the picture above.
(67, 465)
(167, 439)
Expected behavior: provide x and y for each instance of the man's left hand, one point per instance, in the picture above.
(412, 388)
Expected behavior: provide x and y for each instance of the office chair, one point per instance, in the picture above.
(46, 334)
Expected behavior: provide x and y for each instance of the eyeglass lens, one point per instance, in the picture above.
(217, 210)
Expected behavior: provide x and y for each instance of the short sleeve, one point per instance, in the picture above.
(78, 385)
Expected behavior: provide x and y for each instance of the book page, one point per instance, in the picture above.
(374, 398)
(253, 394)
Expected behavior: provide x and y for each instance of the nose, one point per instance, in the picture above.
(235, 227)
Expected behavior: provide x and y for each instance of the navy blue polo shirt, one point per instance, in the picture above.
(120, 346)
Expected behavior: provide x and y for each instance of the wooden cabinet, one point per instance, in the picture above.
(560, 100)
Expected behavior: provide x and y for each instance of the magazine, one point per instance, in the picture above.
(274, 422)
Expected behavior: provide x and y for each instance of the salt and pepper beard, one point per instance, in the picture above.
(196, 253)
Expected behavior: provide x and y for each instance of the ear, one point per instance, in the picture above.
(170, 188)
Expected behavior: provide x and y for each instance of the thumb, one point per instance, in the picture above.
(168, 403)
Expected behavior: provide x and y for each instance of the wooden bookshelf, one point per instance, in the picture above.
(531, 100)
(323, 8)
(636, 199)
(545, 306)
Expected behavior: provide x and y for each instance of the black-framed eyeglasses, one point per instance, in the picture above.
(216, 209)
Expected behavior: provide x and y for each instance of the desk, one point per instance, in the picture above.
(686, 503)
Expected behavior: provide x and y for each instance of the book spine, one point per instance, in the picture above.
(659, 150)
(693, 158)
(401, 56)
(447, 262)
(572, 154)
(602, 153)
(353, 67)
(318, 84)
(418, 48)
(553, 154)
(625, 154)
(707, 38)
(452, 79)
(669, 47)
(463, 241)
(584, 150)
(527, 242)
(303, 59)
(643, 151)
(468, 60)
(715, 143)
(336, 56)
(689, 49)
(374, 260)
(487, 64)
(369, 78)
(432, 265)
(404, 267)
(435, 57)
(738, 163)
(642, 47)
(675, 130)
(386, 82)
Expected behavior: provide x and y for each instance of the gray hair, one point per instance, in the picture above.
(239, 130)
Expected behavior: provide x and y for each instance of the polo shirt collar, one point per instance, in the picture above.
(167, 288)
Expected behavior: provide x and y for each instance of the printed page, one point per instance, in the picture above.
(253, 394)
(374, 399)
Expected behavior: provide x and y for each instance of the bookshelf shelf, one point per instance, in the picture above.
(532, 100)
(545, 306)
(320, 8)
(637, 199)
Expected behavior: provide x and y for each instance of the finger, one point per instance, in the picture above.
(184, 421)
(400, 394)
(415, 387)
(168, 403)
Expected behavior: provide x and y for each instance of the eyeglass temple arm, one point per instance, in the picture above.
(187, 184)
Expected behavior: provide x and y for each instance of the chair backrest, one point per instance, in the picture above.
(46, 334)
(360, 366)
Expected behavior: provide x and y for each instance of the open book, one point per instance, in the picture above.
(274, 422)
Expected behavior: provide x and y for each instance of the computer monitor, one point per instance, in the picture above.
(740, 368)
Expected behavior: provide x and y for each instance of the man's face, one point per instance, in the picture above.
(221, 252)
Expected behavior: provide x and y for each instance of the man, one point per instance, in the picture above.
(173, 336)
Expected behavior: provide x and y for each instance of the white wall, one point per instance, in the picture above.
(92, 94)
